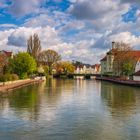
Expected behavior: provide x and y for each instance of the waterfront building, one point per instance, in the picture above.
(93, 69)
(136, 75)
(107, 63)
(5, 55)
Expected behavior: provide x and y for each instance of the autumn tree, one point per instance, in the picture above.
(65, 67)
(123, 54)
(3, 63)
(34, 46)
(49, 57)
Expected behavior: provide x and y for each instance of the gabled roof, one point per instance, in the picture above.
(104, 59)
(8, 54)
(135, 53)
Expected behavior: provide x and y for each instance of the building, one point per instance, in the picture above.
(87, 69)
(108, 65)
(4, 57)
(107, 61)
(136, 75)
(6, 53)
(96, 68)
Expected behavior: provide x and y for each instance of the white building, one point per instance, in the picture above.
(136, 75)
(83, 69)
(108, 60)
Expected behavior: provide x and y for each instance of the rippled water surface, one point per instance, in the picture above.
(71, 110)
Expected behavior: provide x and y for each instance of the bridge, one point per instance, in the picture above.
(77, 76)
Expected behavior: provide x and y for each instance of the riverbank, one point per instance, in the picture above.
(120, 81)
(11, 85)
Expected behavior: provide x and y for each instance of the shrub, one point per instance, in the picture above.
(15, 77)
(23, 76)
(8, 77)
(2, 78)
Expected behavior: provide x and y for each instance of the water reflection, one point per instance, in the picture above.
(71, 109)
(121, 100)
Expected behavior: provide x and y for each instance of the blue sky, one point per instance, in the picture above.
(78, 29)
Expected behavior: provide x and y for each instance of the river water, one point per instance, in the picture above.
(71, 110)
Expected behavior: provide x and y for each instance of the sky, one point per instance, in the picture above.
(79, 30)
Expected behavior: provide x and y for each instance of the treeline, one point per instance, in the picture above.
(35, 61)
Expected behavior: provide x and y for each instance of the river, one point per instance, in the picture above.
(60, 109)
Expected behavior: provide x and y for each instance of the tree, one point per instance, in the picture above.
(77, 63)
(49, 58)
(128, 68)
(123, 54)
(65, 67)
(23, 64)
(34, 46)
(3, 63)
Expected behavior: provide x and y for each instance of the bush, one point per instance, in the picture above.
(2, 78)
(14, 77)
(8, 77)
(23, 76)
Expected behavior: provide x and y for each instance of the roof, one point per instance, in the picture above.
(135, 53)
(104, 59)
(137, 73)
(8, 54)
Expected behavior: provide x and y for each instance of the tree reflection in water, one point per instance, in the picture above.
(121, 100)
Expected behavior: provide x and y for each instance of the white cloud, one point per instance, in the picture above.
(15, 40)
(8, 26)
(126, 37)
(84, 32)
(20, 8)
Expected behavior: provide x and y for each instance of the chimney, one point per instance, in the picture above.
(113, 44)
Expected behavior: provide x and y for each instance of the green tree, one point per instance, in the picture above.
(34, 46)
(128, 68)
(49, 57)
(23, 64)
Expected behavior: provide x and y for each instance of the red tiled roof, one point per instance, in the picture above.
(8, 54)
(135, 53)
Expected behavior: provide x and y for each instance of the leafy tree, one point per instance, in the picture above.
(128, 68)
(34, 46)
(77, 63)
(65, 67)
(23, 64)
(3, 63)
(46, 69)
(49, 57)
(123, 54)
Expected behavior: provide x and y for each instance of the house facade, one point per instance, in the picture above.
(107, 63)
(136, 75)
(83, 69)
(4, 57)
